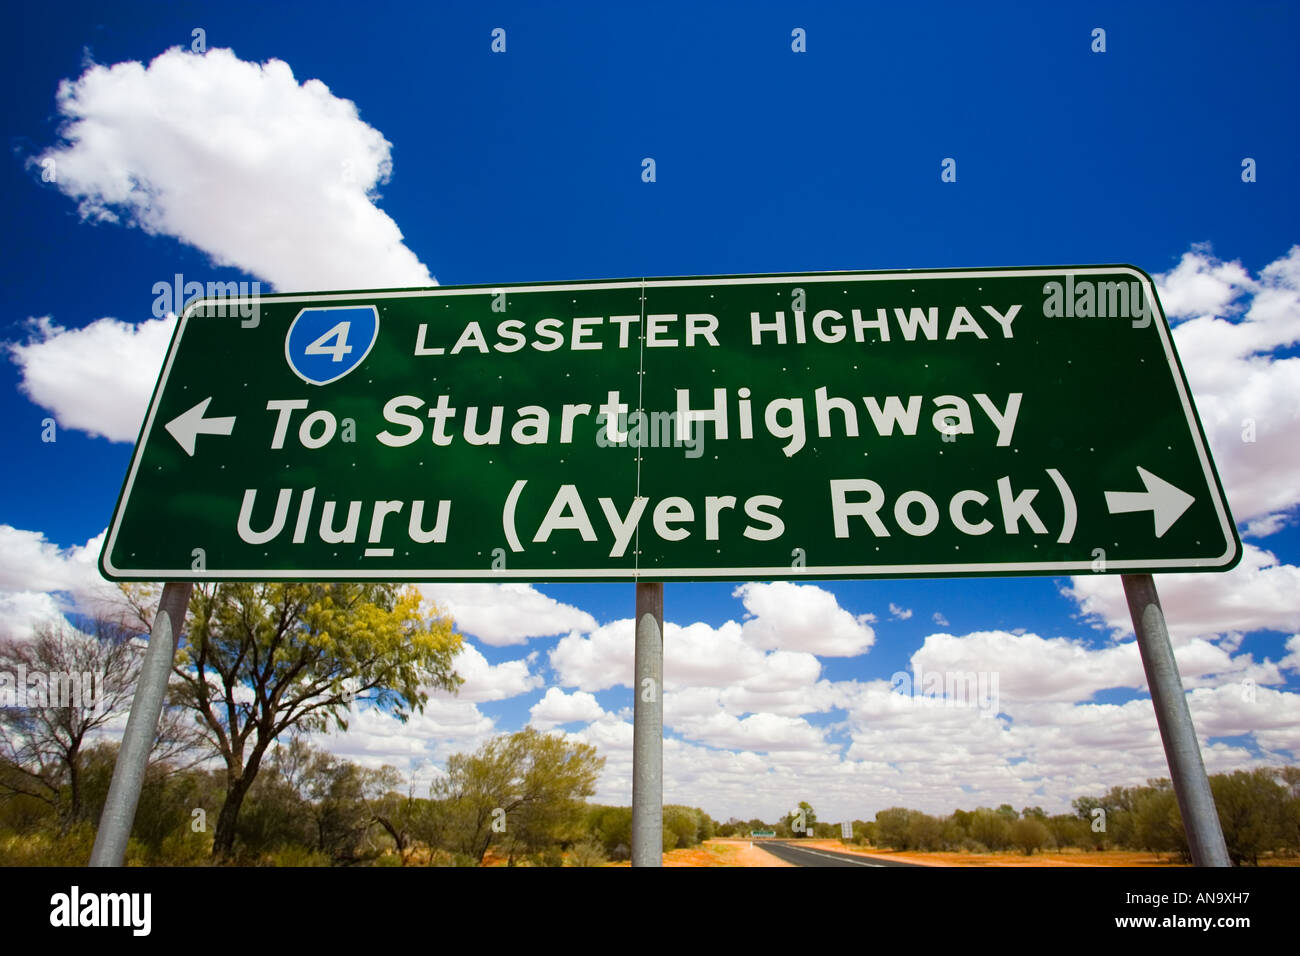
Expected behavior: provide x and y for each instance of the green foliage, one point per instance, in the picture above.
(164, 816)
(588, 853)
(307, 797)
(278, 810)
(990, 828)
(341, 794)
(1067, 830)
(1253, 811)
(311, 808)
(184, 847)
(1259, 812)
(682, 827)
(1157, 822)
(300, 806)
(1086, 810)
(305, 642)
(708, 826)
(611, 827)
(48, 848)
(1289, 779)
(261, 659)
(551, 855)
(924, 832)
(399, 816)
(1121, 827)
(801, 821)
(892, 828)
(901, 829)
(23, 814)
(1029, 833)
(161, 832)
(529, 784)
(861, 829)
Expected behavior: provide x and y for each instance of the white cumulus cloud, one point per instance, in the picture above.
(558, 708)
(802, 617)
(502, 614)
(237, 159)
(485, 681)
(96, 379)
(1247, 396)
(1259, 593)
(40, 581)
(275, 177)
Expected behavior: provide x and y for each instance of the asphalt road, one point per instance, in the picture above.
(816, 856)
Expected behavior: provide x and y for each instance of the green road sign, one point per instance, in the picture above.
(762, 833)
(977, 422)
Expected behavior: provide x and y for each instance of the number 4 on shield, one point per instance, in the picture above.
(340, 348)
(324, 344)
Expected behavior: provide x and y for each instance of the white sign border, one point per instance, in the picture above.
(829, 572)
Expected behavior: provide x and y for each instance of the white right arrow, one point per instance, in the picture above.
(1165, 501)
(188, 426)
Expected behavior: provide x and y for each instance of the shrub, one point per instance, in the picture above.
(990, 828)
(684, 823)
(1029, 834)
(588, 853)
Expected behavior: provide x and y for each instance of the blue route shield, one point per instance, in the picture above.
(324, 344)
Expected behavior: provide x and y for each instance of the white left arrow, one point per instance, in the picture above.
(1165, 501)
(186, 428)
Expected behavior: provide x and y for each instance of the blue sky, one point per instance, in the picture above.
(526, 165)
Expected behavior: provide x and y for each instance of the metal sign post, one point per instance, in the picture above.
(648, 728)
(1186, 768)
(141, 727)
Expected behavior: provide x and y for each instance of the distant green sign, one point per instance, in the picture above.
(1001, 421)
(762, 833)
